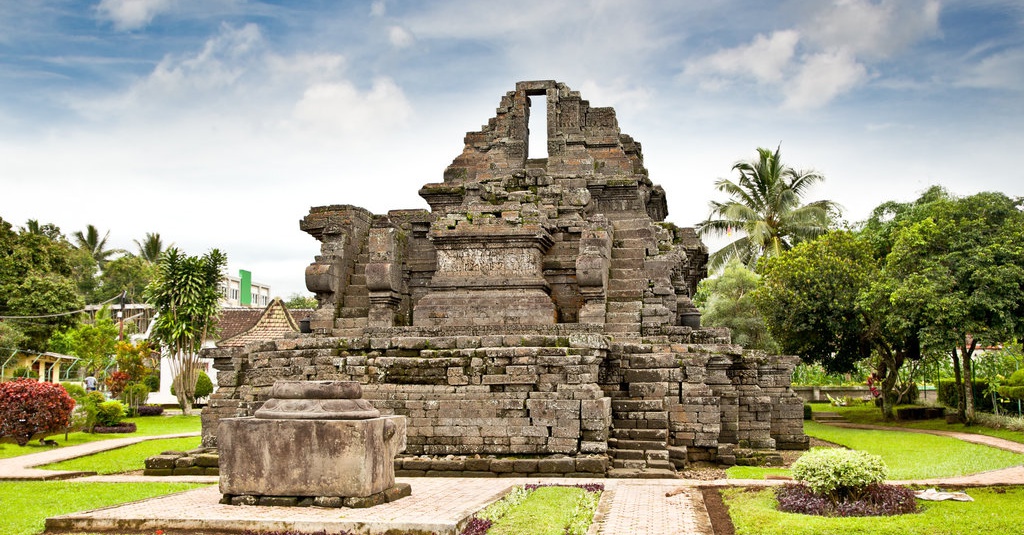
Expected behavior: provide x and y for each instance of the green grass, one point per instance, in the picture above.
(995, 510)
(871, 415)
(916, 455)
(545, 511)
(145, 426)
(124, 459)
(27, 504)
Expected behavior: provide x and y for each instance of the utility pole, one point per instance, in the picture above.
(120, 317)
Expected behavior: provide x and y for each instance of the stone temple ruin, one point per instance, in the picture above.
(536, 320)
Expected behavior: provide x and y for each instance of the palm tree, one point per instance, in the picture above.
(765, 210)
(151, 247)
(91, 242)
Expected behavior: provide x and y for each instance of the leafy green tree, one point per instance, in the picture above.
(151, 247)
(38, 294)
(185, 293)
(93, 343)
(301, 301)
(97, 247)
(955, 273)
(129, 273)
(728, 301)
(49, 230)
(765, 209)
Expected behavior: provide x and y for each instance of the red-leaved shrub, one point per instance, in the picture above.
(116, 382)
(29, 408)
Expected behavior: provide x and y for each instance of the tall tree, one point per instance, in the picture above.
(97, 247)
(129, 273)
(184, 291)
(151, 247)
(37, 287)
(765, 210)
(728, 301)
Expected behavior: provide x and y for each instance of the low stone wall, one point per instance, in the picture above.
(821, 393)
(197, 462)
(462, 466)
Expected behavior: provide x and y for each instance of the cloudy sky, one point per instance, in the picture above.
(218, 123)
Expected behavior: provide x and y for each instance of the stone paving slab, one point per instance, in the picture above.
(652, 507)
(438, 505)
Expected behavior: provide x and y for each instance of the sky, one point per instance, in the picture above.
(219, 123)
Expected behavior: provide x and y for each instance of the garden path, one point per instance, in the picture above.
(21, 468)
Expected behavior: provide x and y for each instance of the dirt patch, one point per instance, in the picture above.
(717, 511)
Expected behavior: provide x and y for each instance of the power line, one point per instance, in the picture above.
(54, 315)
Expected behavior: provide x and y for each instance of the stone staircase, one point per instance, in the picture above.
(626, 281)
(355, 306)
(828, 417)
(638, 446)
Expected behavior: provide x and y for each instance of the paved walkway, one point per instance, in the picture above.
(22, 467)
(442, 505)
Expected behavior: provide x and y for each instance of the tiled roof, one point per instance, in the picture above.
(234, 321)
(270, 323)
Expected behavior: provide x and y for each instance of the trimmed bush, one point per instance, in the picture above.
(204, 387)
(153, 382)
(808, 412)
(838, 473)
(75, 390)
(150, 410)
(949, 395)
(29, 408)
(1014, 387)
(109, 413)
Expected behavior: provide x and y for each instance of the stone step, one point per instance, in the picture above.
(638, 405)
(633, 233)
(626, 455)
(616, 307)
(622, 317)
(350, 323)
(356, 301)
(827, 417)
(640, 434)
(632, 464)
(354, 312)
(642, 445)
(622, 328)
(621, 253)
(630, 224)
(629, 423)
(642, 473)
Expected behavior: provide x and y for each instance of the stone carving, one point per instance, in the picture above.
(540, 307)
(312, 443)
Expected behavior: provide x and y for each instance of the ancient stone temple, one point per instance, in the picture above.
(539, 309)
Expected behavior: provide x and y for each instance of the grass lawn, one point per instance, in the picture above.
(869, 414)
(27, 504)
(146, 426)
(124, 459)
(908, 455)
(994, 510)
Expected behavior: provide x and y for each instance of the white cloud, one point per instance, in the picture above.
(340, 107)
(127, 15)
(378, 8)
(399, 37)
(872, 30)
(1001, 70)
(821, 78)
(765, 60)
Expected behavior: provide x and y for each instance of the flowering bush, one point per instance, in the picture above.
(838, 473)
(28, 408)
(116, 382)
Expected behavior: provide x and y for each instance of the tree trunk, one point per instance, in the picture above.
(968, 352)
(888, 373)
(959, 385)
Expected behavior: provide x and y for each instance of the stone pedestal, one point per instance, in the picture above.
(307, 442)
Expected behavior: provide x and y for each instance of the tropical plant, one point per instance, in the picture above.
(151, 247)
(93, 343)
(30, 408)
(185, 294)
(728, 301)
(97, 247)
(765, 210)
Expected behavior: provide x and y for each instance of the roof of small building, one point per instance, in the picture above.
(240, 326)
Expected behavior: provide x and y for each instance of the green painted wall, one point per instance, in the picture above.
(245, 291)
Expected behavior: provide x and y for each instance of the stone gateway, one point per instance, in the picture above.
(539, 310)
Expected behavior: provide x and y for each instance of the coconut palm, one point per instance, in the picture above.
(91, 242)
(151, 247)
(765, 210)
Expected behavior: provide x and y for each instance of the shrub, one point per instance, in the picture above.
(153, 382)
(75, 390)
(109, 413)
(1014, 387)
(949, 394)
(29, 408)
(133, 395)
(876, 500)
(116, 383)
(204, 387)
(808, 412)
(150, 410)
(24, 373)
(838, 473)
